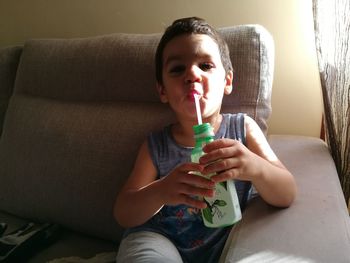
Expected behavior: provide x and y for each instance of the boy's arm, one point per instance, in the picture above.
(257, 163)
(139, 198)
(275, 184)
(144, 195)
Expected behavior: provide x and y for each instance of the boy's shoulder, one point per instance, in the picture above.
(159, 140)
(233, 125)
(160, 132)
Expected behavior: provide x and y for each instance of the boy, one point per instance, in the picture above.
(158, 203)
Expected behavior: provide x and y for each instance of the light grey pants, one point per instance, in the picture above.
(147, 247)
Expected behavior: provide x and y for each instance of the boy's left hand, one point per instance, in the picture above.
(230, 159)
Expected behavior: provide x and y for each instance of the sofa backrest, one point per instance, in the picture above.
(9, 59)
(82, 107)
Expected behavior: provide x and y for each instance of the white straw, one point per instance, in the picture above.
(198, 108)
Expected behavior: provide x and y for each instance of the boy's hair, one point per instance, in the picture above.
(190, 25)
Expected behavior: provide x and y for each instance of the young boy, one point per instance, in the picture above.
(158, 203)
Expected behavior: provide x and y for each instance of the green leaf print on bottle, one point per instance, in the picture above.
(212, 209)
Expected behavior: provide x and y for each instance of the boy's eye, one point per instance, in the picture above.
(206, 66)
(177, 69)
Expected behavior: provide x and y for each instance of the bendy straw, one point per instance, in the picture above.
(198, 108)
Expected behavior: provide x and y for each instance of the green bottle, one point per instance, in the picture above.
(223, 208)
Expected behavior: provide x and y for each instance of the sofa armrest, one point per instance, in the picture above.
(314, 229)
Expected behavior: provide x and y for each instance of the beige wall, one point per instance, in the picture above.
(296, 99)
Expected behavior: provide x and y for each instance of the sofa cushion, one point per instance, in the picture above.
(9, 59)
(79, 112)
(252, 55)
(120, 68)
(65, 162)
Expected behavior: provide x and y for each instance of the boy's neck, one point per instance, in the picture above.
(182, 131)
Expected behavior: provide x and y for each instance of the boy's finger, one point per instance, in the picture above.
(217, 144)
(197, 191)
(198, 181)
(194, 202)
(187, 167)
(218, 154)
(224, 176)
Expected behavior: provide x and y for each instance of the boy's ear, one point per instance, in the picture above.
(162, 93)
(229, 81)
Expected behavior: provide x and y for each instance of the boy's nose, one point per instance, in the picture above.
(193, 74)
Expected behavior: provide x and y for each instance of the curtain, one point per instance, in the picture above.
(332, 35)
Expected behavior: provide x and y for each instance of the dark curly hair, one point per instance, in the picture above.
(190, 25)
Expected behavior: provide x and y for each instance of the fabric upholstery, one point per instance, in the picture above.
(80, 110)
(252, 56)
(315, 228)
(9, 59)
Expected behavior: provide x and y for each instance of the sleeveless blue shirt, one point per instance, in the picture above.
(182, 224)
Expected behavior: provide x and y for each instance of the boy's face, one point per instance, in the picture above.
(192, 64)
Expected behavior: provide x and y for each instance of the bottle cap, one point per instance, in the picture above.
(203, 130)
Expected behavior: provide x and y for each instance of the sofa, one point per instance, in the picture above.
(73, 113)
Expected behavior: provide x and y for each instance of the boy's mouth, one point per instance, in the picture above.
(192, 93)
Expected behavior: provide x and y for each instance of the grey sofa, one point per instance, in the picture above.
(73, 113)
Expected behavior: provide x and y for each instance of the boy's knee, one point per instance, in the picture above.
(147, 247)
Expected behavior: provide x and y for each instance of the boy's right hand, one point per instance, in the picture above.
(181, 186)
